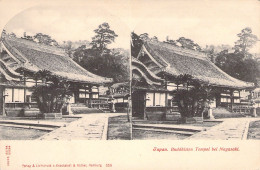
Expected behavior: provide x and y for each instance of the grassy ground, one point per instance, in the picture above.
(12, 133)
(203, 124)
(152, 135)
(118, 128)
(254, 130)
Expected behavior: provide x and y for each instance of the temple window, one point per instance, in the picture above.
(225, 100)
(155, 99)
(120, 100)
(159, 99)
(236, 100)
(14, 95)
(83, 93)
(236, 93)
(149, 99)
(94, 89)
(95, 96)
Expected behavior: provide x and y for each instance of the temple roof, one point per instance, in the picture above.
(176, 61)
(148, 75)
(34, 57)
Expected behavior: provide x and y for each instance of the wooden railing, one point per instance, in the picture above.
(99, 103)
(94, 103)
(247, 110)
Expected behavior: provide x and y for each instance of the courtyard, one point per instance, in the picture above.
(93, 126)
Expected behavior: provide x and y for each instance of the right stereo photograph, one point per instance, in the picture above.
(195, 76)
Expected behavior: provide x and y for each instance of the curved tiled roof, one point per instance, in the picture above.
(148, 75)
(8, 73)
(176, 61)
(34, 57)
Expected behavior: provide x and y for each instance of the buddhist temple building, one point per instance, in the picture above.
(21, 58)
(154, 71)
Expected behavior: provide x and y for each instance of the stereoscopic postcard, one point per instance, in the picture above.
(136, 84)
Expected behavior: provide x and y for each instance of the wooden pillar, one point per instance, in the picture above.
(231, 98)
(4, 112)
(99, 102)
(166, 93)
(90, 95)
(24, 82)
(166, 99)
(85, 100)
(145, 117)
(2, 100)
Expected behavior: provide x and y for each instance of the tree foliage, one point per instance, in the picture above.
(246, 41)
(101, 60)
(67, 45)
(44, 39)
(193, 99)
(113, 65)
(41, 38)
(240, 64)
(52, 93)
(12, 34)
(188, 43)
(136, 44)
(104, 36)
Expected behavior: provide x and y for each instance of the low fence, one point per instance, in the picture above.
(246, 110)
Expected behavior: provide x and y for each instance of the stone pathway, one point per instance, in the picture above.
(89, 127)
(233, 128)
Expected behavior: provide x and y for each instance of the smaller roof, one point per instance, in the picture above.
(121, 84)
(152, 88)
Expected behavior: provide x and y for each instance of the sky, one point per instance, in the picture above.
(206, 22)
(67, 22)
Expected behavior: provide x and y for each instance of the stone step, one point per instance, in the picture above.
(170, 127)
(48, 129)
(26, 123)
(166, 131)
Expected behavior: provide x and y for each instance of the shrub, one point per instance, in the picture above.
(52, 93)
(193, 99)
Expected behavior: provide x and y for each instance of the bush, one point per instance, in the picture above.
(52, 93)
(194, 98)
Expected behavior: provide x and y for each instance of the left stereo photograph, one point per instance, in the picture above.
(64, 75)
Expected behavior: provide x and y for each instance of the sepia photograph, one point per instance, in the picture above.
(196, 74)
(64, 75)
(133, 84)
